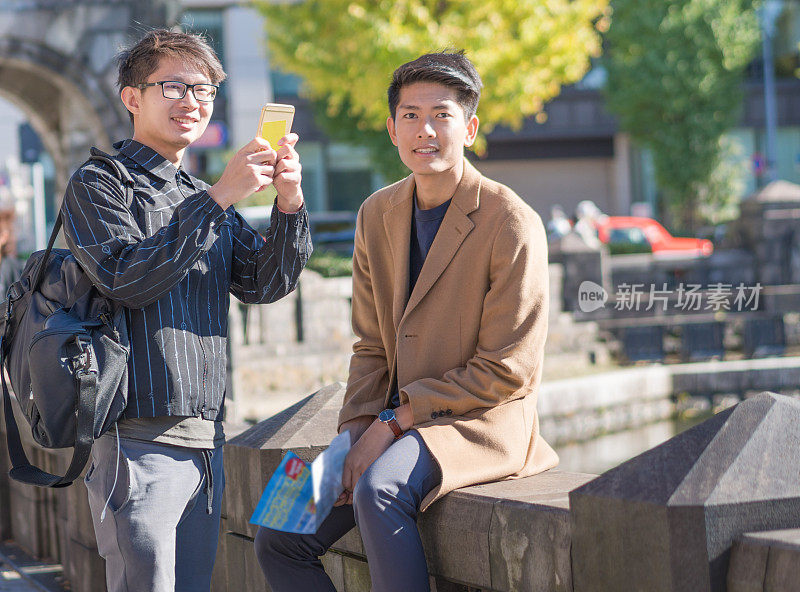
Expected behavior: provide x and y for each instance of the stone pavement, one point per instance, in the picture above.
(19, 572)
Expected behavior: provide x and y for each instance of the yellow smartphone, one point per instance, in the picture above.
(276, 122)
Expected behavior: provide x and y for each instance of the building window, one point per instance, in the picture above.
(284, 84)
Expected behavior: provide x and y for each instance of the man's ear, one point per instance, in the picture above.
(472, 131)
(132, 99)
(392, 131)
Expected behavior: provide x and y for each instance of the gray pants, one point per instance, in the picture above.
(386, 501)
(157, 534)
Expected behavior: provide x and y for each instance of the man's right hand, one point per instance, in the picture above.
(249, 171)
(357, 426)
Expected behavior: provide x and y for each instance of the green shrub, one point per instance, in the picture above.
(330, 264)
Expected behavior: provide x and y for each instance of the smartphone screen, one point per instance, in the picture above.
(276, 122)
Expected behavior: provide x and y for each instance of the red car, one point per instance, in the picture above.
(629, 234)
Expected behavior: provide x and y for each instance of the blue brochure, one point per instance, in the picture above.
(298, 497)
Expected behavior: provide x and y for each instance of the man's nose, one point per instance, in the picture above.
(190, 98)
(426, 130)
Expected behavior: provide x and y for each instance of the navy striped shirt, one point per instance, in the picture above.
(172, 257)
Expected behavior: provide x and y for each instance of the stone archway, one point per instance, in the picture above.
(57, 66)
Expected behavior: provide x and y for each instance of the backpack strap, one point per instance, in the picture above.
(116, 163)
(127, 182)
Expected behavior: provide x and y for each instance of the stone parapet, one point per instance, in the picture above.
(578, 409)
(665, 520)
(737, 376)
(510, 535)
(504, 536)
(766, 561)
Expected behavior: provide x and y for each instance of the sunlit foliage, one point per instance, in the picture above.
(674, 80)
(346, 50)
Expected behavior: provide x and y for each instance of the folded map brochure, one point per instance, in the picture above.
(298, 497)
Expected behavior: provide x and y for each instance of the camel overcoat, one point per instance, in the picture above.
(467, 344)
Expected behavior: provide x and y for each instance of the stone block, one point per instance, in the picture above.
(442, 585)
(241, 565)
(783, 570)
(351, 543)
(5, 492)
(569, 396)
(27, 517)
(219, 577)
(457, 548)
(666, 519)
(529, 537)
(63, 540)
(84, 568)
(334, 567)
(243, 468)
(506, 536)
(356, 575)
(766, 561)
(79, 518)
(747, 567)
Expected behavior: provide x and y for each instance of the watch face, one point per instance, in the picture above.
(386, 415)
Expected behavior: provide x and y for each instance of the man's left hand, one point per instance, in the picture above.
(287, 175)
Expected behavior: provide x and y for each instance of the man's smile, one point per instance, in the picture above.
(186, 120)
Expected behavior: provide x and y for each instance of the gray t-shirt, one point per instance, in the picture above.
(190, 432)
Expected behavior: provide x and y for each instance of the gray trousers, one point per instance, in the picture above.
(386, 501)
(156, 534)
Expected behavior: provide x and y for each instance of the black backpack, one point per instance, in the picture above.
(65, 347)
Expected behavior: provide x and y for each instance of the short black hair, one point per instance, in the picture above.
(136, 63)
(450, 68)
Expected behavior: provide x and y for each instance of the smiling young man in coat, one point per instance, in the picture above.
(450, 311)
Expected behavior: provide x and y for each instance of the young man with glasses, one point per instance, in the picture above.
(172, 257)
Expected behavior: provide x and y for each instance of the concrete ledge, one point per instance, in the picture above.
(510, 535)
(766, 561)
(504, 536)
(737, 376)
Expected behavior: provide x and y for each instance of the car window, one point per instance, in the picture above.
(628, 236)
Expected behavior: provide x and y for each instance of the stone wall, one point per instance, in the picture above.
(520, 535)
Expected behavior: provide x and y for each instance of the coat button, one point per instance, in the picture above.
(433, 415)
(449, 412)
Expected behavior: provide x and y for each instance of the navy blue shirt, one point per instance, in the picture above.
(424, 226)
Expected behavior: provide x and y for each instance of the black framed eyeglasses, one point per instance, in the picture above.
(173, 89)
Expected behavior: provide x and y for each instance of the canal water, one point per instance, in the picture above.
(606, 452)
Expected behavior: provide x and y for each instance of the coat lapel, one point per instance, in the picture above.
(397, 223)
(454, 229)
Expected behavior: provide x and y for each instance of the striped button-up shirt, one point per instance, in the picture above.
(172, 257)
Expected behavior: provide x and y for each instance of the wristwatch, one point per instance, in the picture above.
(388, 417)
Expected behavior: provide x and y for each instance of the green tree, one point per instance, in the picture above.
(674, 79)
(346, 50)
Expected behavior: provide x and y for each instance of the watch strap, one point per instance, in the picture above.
(395, 427)
(391, 422)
